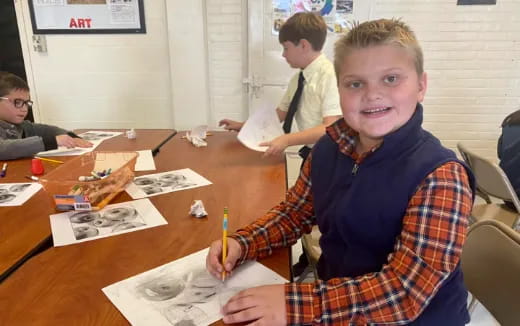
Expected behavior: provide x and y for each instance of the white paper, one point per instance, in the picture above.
(161, 183)
(145, 161)
(95, 137)
(113, 161)
(15, 194)
(80, 226)
(263, 125)
(183, 292)
(122, 13)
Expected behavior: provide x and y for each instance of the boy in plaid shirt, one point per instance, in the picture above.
(391, 202)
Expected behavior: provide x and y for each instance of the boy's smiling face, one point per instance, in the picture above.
(8, 112)
(379, 89)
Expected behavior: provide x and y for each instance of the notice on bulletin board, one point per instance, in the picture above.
(87, 16)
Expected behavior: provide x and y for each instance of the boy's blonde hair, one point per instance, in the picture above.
(304, 25)
(378, 32)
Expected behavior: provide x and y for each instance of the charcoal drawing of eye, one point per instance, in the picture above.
(6, 197)
(120, 213)
(83, 232)
(161, 289)
(126, 226)
(172, 177)
(150, 190)
(20, 187)
(145, 181)
(84, 217)
(102, 222)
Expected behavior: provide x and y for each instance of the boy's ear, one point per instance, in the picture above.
(423, 85)
(305, 44)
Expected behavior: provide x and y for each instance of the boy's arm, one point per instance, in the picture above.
(283, 225)
(47, 131)
(426, 252)
(11, 149)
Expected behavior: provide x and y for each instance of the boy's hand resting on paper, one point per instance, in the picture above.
(214, 258)
(276, 146)
(70, 142)
(230, 125)
(263, 305)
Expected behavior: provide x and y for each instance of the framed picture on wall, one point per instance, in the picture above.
(87, 16)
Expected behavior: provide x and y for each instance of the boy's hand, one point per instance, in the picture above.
(214, 258)
(276, 146)
(70, 142)
(230, 124)
(263, 305)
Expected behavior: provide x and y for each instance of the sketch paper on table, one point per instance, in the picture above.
(161, 183)
(183, 292)
(80, 226)
(95, 137)
(15, 194)
(263, 125)
(145, 161)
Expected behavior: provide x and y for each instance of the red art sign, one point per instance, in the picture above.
(80, 22)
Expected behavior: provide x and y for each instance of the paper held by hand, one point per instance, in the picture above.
(263, 125)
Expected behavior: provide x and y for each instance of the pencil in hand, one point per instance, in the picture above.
(224, 242)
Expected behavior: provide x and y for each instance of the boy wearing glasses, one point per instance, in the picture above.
(19, 137)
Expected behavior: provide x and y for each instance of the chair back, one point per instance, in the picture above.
(489, 176)
(491, 266)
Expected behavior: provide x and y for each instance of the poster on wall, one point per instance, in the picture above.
(87, 16)
(334, 12)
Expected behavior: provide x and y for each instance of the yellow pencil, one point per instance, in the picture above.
(48, 160)
(224, 242)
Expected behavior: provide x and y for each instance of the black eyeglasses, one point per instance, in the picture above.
(18, 102)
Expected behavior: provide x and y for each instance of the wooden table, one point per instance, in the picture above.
(24, 230)
(63, 285)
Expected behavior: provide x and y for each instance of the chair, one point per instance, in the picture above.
(491, 265)
(311, 242)
(491, 181)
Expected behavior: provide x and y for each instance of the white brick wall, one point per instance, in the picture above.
(472, 57)
(226, 33)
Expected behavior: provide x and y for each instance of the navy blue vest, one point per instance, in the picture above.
(359, 209)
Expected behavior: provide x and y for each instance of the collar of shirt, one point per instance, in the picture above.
(346, 138)
(12, 131)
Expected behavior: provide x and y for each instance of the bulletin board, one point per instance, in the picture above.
(87, 16)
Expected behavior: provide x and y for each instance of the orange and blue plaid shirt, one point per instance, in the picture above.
(427, 250)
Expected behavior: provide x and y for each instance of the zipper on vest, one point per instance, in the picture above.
(355, 168)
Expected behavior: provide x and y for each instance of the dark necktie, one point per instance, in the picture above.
(293, 105)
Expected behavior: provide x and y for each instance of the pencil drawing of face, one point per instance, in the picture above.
(83, 232)
(84, 217)
(145, 181)
(3, 191)
(6, 197)
(20, 187)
